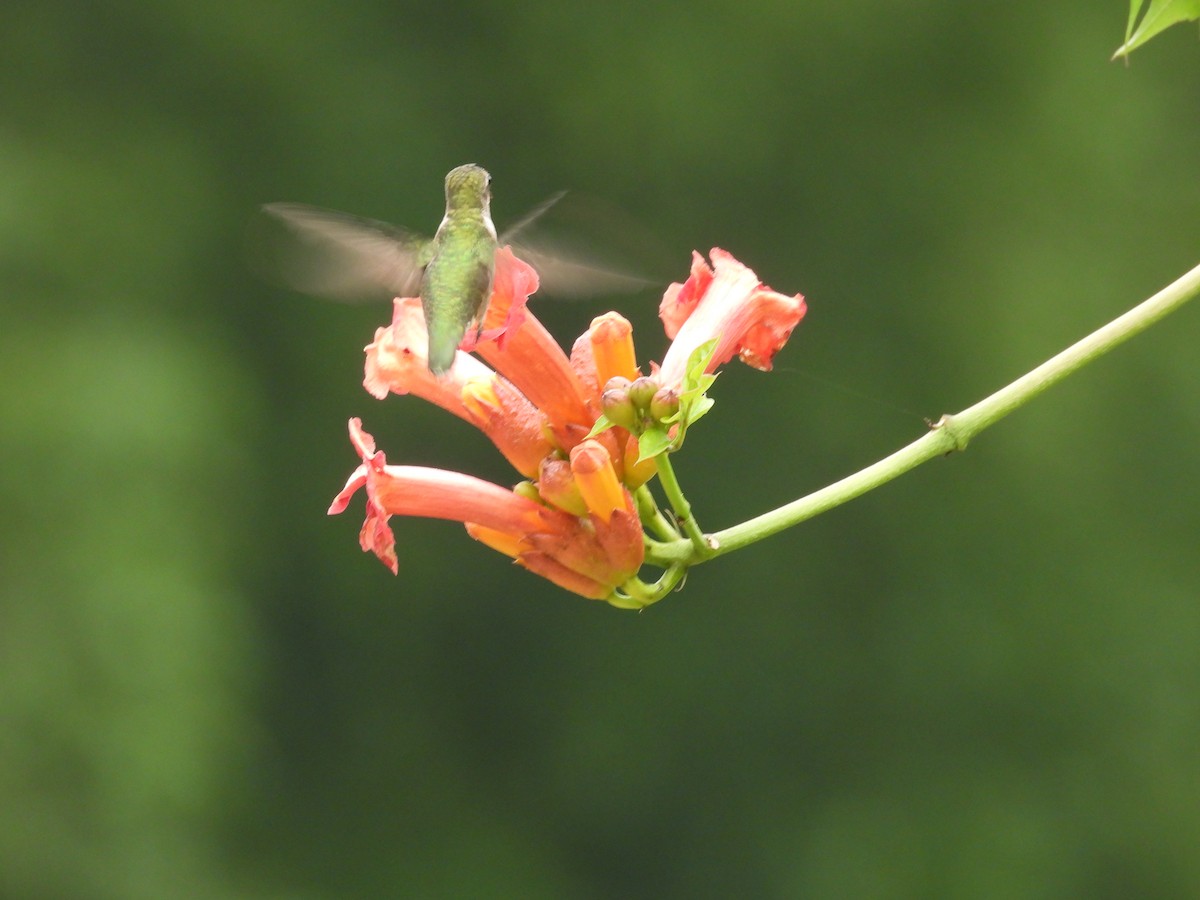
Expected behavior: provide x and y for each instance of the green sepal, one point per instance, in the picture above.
(602, 425)
(652, 442)
(621, 600)
(693, 401)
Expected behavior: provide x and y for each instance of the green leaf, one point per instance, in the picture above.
(602, 425)
(1159, 15)
(699, 408)
(694, 375)
(693, 403)
(654, 441)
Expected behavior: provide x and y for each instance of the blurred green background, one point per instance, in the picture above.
(982, 680)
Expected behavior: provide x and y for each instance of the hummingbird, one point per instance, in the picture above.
(345, 257)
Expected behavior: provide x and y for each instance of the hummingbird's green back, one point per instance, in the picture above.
(458, 277)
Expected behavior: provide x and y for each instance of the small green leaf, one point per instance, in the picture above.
(653, 442)
(602, 425)
(700, 407)
(693, 403)
(696, 364)
(1159, 15)
(697, 388)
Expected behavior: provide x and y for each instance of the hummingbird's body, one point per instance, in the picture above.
(459, 263)
(345, 257)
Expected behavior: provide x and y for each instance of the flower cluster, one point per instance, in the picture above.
(575, 425)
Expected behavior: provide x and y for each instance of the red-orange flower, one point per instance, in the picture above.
(420, 491)
(729, 303)
(574, 520)
(590, 554)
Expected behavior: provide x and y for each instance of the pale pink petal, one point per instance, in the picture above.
(397, 363)
(746, 318)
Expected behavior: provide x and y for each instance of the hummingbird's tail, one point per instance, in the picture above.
(443, 345)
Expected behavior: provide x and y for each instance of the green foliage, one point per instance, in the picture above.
(652, 442)
(1159, 15)
(981, 680)
(693, 404)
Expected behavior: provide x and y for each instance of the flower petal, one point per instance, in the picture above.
(512, 423)
(533, 361)
(397, 362)
(680, 300)
(512, 282)
(730, 304)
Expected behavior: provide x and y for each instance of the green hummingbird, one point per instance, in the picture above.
(345, 257)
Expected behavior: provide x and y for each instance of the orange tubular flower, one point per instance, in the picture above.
(513, 423)
(592, 466)
(729, 303)
(611, 340)
(397, 362)
(522, 350)
(533, 361)
(574, 521)
(586, 556)
(435, 493)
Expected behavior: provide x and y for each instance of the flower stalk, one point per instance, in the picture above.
(950, 433)
(652, 516)
(702, 546)
(587, 431)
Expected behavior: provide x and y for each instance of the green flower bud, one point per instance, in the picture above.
(641, 392)
(617, 406)
(528, 490)
(664, 403)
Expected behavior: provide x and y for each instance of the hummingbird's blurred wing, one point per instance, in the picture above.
(337, 255)
(563, 271)
(513, 231)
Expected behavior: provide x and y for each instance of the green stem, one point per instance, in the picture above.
(636, 594)
(701, 546)
(952, 432)
(652, 516)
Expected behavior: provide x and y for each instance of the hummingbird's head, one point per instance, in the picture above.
(468, 187)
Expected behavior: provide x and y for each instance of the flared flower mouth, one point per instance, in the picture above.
(557, 418)
(726, 303)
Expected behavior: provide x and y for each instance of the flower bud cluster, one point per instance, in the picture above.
(573, 518)
(639, 404)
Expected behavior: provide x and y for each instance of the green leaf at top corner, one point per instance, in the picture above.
(1159, 15)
